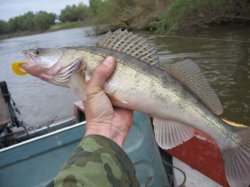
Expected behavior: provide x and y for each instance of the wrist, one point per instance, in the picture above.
(108, 131)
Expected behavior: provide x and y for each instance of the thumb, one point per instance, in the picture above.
(100, 75)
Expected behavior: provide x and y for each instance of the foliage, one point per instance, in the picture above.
(3, 27)
(170, 15)
(133, 14)
(105, 11)
(43, 20)
(14, 24)
(94, 5)
(182, 14)
(30, 22)
(74, 13)
(26, 21)
(160, 15)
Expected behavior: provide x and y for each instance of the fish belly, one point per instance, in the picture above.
(141, 92)
(144, 93)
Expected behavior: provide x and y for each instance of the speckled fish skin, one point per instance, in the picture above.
(153, 91)
(139, 86)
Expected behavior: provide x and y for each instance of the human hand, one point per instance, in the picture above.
(102, 118)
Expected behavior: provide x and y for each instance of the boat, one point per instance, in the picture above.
(33, 157)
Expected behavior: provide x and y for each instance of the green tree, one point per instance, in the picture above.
(74, 13)
(95, 5)
(26, 21)
(30, 21)
(82, 11)
(67, 14)
(43, 20)
(14, 25)
(3, 27)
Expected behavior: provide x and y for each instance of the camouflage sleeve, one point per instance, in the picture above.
(97, 161)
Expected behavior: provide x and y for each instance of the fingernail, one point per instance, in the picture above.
(109, 61)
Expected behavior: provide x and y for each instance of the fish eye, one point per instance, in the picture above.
(37, 51)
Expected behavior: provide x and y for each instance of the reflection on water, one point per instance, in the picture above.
(224, 57)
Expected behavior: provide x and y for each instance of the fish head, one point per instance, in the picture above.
(55, 65)
(42, 57)
(43, 63)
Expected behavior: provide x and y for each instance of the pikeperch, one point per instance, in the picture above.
(178, 99)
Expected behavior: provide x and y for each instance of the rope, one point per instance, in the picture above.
(183, 173)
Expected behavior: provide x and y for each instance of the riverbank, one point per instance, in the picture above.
(159, 16)
(57, 27)
(101, 29)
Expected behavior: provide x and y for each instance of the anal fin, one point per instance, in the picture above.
(169, 134)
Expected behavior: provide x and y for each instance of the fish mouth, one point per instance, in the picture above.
(30, 65)
(30, 59)
(26, 66)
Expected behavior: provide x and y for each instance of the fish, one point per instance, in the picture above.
(179, 98)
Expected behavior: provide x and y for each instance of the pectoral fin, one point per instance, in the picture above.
(169, 134)
(64, 74)
(73, 76)
(78, 79)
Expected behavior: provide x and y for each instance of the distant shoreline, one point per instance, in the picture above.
(101, 29)
(57, 27)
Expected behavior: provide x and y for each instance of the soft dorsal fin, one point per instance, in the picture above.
(190, 74)
(131, 44)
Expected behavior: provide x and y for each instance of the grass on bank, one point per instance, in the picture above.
(159, 15)
(184, 14)
(68, 25)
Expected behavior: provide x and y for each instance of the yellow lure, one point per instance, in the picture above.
(17, 69)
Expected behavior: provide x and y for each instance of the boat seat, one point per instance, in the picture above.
(4, 113)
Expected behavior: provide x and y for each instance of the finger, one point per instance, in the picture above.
(101, 74)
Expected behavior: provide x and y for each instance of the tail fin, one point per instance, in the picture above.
(237, 161)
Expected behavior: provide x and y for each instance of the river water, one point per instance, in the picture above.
(223, 55)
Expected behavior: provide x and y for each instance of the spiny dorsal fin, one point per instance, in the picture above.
(190, 74)
(131, 44)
